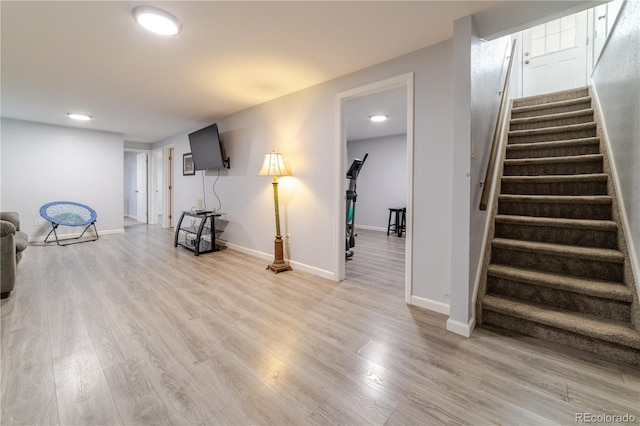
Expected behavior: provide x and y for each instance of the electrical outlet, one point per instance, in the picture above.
(288, 238)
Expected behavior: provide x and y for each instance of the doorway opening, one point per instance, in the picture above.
(168, 185)
(135, 188)
(371, 215)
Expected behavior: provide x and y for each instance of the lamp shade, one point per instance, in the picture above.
(274, 166)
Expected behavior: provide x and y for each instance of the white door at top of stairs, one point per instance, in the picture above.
(555, 55)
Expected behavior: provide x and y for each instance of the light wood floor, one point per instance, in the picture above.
(378, 262)
(130, 330)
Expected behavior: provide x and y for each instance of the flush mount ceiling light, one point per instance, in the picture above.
(79, 117)
(157, 21)
(378, 118)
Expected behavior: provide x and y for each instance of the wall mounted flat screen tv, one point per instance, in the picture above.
(206, 148)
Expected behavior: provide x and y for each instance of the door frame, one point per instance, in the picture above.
(147, 199)
(168, 185)
(404, 80)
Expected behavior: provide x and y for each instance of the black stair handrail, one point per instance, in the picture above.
(487, 184)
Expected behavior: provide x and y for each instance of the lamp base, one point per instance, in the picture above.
(279, 265)
(280, 268)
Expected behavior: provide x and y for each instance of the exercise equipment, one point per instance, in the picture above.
(69, 213)
(352, 195)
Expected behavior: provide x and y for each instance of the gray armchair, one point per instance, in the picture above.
(12, 243)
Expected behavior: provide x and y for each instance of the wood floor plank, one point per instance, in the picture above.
(225, 380)
(83, 396)
(165, 359)
(171, 338)
(260, 408)
(28, 385)
(138, 397)
(326, 414)
(110, 342)
(26, 307)
(66, 327)
(620, 400)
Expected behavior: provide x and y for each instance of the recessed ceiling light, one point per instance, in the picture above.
(157, 20)
(80, 117)
(378, 118)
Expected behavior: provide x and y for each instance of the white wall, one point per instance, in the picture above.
(303, 127)
(480, 68)
(460, 311)
(617, 82)
(43, 163)
(489, 62)
(382, 182)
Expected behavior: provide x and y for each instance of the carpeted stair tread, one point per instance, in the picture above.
(561, 250)
(556, 268)
(552, 130)
(591, 177)
(584, 324)
(592, 287)
(557, 104)
(564, 199)
(549, 98)
(587, 224)
(567, 144)
(556, 116)
(549, 160)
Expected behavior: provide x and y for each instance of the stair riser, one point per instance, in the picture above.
(560, 151)
(565, 188)
(605, 308)
(568, 210)
(553, 136)
(541, 169)
(603, 348)
(587, 118)
(552, 110)
(562, 265)
(567, 236)
(552, 97)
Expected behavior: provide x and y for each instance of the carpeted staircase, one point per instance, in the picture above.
(558, 268)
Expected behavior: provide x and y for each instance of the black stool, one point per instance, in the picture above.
(399, 221)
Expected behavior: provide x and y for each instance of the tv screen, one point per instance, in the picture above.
(206, 148)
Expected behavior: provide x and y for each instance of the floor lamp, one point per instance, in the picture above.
(274, 166)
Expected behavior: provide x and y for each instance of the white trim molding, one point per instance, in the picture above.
(269, 257)
(432, 305)
(460, 327)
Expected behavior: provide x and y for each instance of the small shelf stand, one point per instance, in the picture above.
(200, 234)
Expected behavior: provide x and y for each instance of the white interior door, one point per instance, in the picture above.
(555, 55)
(603, 18)
(141, 186)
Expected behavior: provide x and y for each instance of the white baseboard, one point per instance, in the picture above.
(269, 258)
(89, 233)
(432, 305)
(460, 327)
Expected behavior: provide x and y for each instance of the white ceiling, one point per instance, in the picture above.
(392, 103)
(91, 57)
